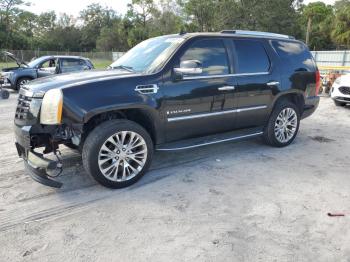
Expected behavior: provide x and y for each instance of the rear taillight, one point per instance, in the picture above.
(318, 82)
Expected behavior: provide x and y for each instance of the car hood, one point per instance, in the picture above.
(345, 80)
(73, 79)
(18, 61)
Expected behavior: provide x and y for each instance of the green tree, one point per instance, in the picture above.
(317, 19)
(341, 30)
(94, 18)
(167, 20)
(113, 38)
(201, 13)
(9, 9)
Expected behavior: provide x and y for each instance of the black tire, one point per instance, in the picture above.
(97, 138)
(20, 80)
(269, 131)
(5, 94)
(337, 103)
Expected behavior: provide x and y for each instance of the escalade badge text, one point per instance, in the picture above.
(179, 111)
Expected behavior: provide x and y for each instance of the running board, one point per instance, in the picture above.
(209, 140)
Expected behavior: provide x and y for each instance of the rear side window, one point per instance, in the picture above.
(72, 62)
(251, 57)
(212, 55)
(296, 55)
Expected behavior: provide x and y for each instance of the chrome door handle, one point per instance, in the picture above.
(226, 88)
(273, 83)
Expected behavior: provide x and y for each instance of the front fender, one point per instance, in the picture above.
(147, 104)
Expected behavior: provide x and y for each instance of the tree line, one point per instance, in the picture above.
(99, 28)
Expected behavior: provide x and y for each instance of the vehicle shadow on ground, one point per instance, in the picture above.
(164, 163)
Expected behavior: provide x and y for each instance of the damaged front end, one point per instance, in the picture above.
(34, 140)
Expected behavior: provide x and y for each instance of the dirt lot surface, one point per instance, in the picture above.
(230, 202)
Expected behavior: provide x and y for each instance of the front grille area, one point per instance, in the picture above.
(23, 107)
(344, 90)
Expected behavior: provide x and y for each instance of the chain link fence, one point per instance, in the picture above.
(338, 61)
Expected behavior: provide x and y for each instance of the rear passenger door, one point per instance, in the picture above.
(256, 79)
(68, 65)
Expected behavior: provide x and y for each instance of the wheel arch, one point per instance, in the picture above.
(23, 76)
(296, 97)
(145, 116)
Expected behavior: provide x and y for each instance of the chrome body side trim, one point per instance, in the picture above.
(243, 109)
(211, 142)
(226, 88)
(222, 76)
(274, 83)
(238, 110)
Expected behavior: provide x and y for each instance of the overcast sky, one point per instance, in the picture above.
(73, 7)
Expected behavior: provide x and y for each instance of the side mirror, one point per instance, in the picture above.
(188, 67)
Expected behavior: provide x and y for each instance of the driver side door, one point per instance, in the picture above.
(200, 103)
(47, 68)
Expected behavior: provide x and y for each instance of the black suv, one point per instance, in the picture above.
(168, 93)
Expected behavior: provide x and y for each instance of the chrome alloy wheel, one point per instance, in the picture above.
(286, 125)
(23, 82)
(122, 156)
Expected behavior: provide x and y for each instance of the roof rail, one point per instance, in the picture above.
(256, 33)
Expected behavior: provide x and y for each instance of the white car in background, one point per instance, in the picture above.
(340, 91)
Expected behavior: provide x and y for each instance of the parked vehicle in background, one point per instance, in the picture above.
(4, 94)
(16, 77)
(340, 91)
(330, 78)
(168, 93)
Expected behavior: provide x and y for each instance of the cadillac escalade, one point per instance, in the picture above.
(171, 92)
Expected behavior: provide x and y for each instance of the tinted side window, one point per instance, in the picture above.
(212, 55)
(295, 54)
(71, 65)
(71, 62)
(251, 57)
(51, 63)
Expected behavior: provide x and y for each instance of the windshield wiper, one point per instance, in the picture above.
(127, 68)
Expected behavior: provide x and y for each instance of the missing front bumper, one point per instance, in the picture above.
(39, 167)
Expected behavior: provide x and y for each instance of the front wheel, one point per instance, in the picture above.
(283, 124)
(22, 82)
(117, 153)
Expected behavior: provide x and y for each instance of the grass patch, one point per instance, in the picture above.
(5, 65)
(101, 64)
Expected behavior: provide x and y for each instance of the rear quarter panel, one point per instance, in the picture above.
(297, 68)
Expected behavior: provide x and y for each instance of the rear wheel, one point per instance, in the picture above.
(283, 124)
(339, 103)
(117, 153)
(22, 81)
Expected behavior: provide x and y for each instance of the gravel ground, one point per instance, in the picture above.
(229, 202)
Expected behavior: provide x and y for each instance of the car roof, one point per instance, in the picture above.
(238, 34)
(62, 56)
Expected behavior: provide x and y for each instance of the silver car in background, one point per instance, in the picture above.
(16, 77)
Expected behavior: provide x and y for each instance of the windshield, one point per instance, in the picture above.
(35, 62)
(147, 56)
